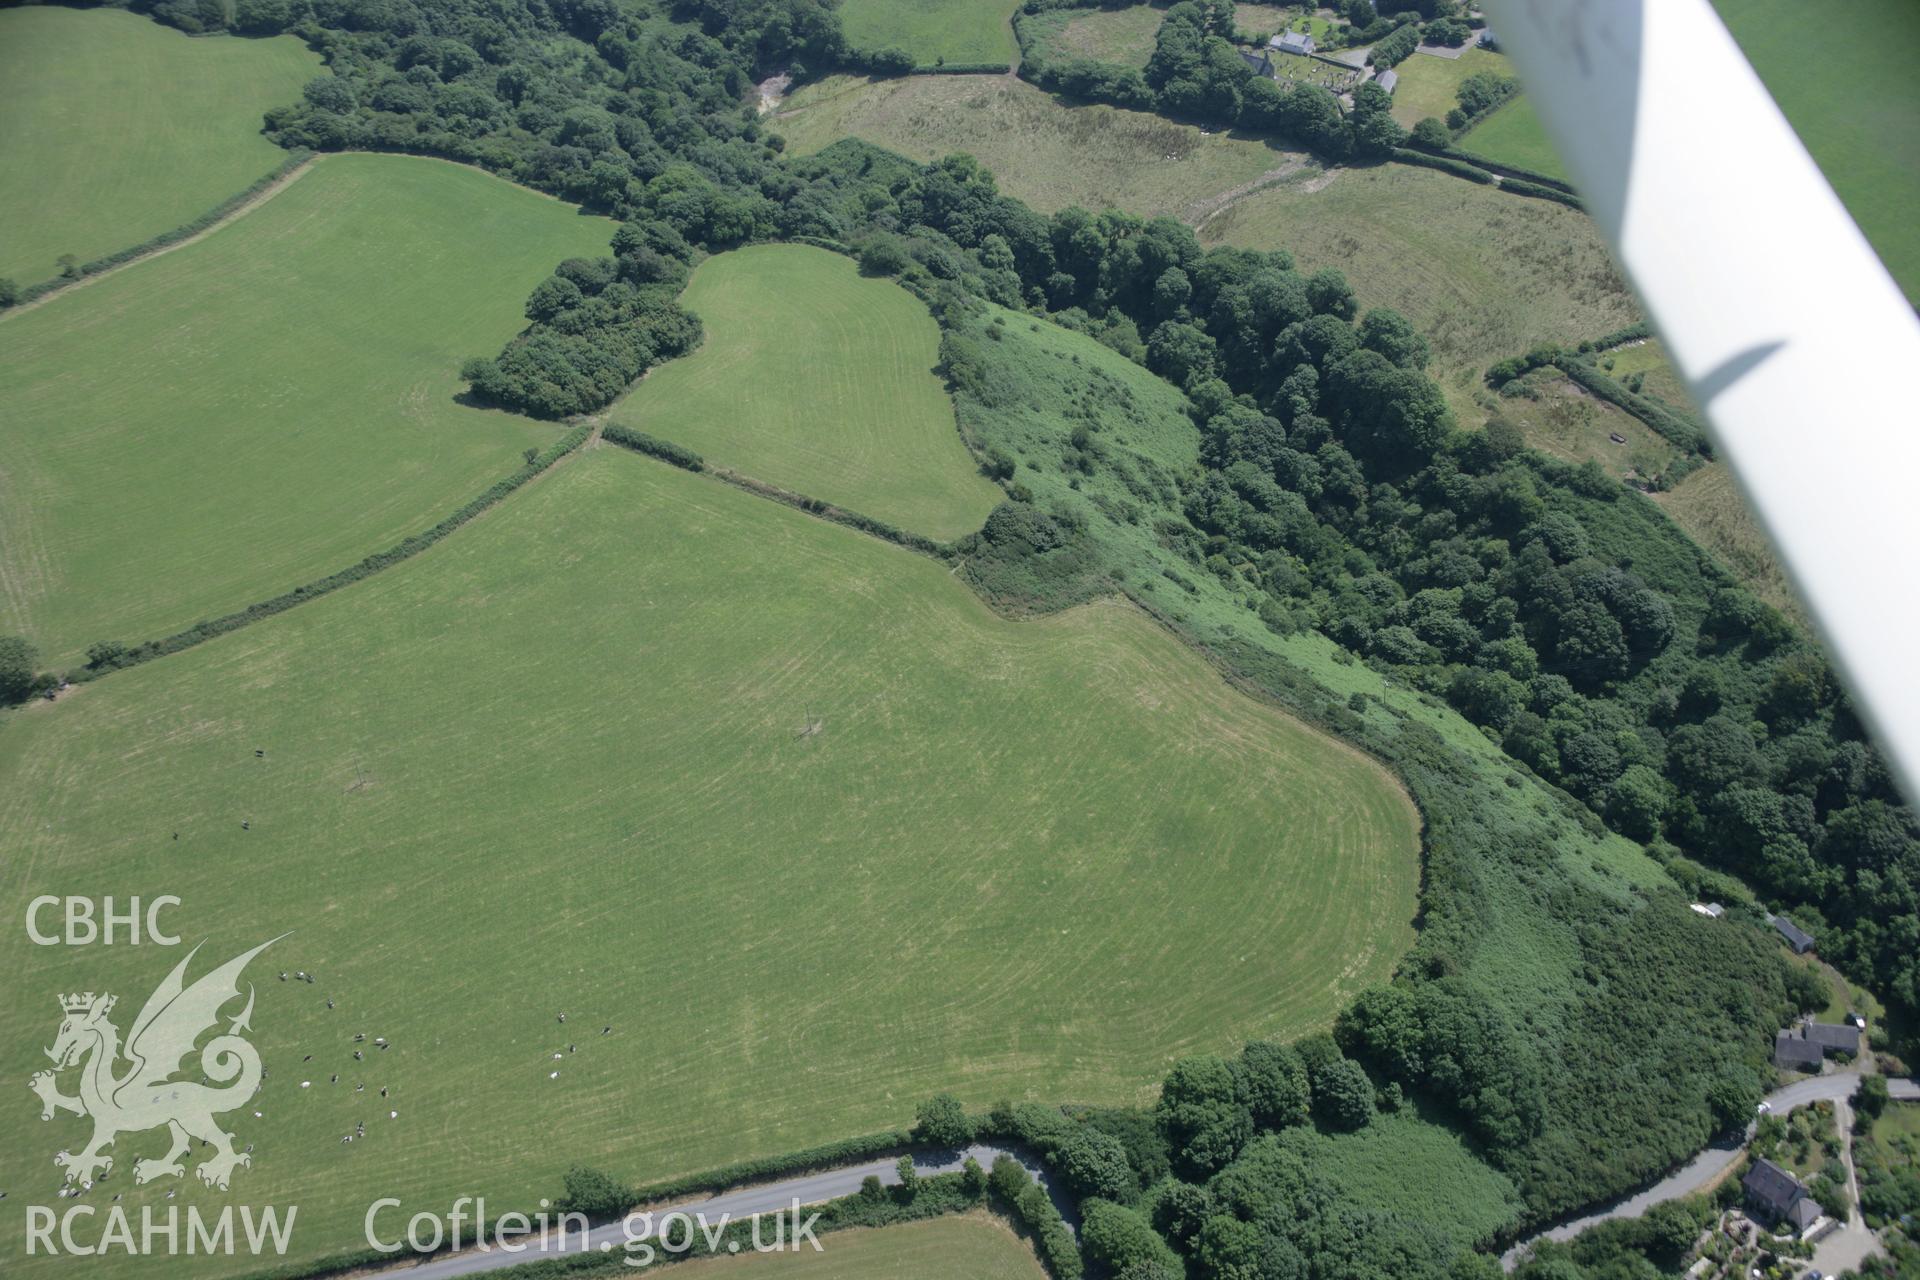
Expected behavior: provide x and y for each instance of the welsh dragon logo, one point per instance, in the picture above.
(146, 1094)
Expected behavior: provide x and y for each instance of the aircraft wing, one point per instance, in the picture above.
(1797, 345)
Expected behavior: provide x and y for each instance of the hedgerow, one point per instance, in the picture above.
(665, 450)
(807, 1160)
(1520, 187)
(1029, 1205)
(1679, 429)
(186, 230)
(838, 515)
(1196, 74)
(107, 655)
(872, 1206)
(1446, 164)
(1620, 337)
(1587, 1032)
(1503, 169)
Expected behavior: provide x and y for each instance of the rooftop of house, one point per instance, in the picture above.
(1790, 1050)
(1771, 1187)
(1834, 1036)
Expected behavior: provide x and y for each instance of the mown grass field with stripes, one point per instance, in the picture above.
(817, 379)
(118, 129)
(560, 764)
(211, 427)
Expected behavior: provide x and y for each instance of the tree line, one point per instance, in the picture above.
(1334, 491)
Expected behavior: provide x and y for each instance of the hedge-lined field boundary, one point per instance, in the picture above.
(166, 239)
(653, 446)
(1459, 168)
(873, 1206)
(1506, 170)
(831, 1155)
(1679, 429)
(962, 69)
(1682, 430)
(110, 656)
(685, 458)
(1619, 338)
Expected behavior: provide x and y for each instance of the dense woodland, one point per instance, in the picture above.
(1196, 74)
(1552, 607)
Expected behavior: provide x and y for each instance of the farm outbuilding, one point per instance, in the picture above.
(1799, 939)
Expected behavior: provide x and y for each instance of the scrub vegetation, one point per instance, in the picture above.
(641, 744)
(1042, 151)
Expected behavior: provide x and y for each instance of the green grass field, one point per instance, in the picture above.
(1140, 437)
(1563, 420)
(1124, 36)
(1266, 20)
(1844, 76)
(211, 427)
(1899, 1121)
(582, 733)
(1430, 86)
(1648, 358)
(974, 1245)
(817, 379)
(1513, 134)
(167, 127)
(1263, 19)
(1483, 275)
(1709, 505)
(1047, 154)
(934, 31)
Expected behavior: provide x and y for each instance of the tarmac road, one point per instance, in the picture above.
(746, 1202)
(1704, 1168)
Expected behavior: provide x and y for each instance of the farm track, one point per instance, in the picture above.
(281, 184)
(1201, 212)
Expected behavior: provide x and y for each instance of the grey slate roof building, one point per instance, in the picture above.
(1805, 1047)
(1387, 79)
(1292, 42)
(1261, 64)
(1777, 1196)
(1796, 1054)
(1799, 939)
(1834, 1037)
